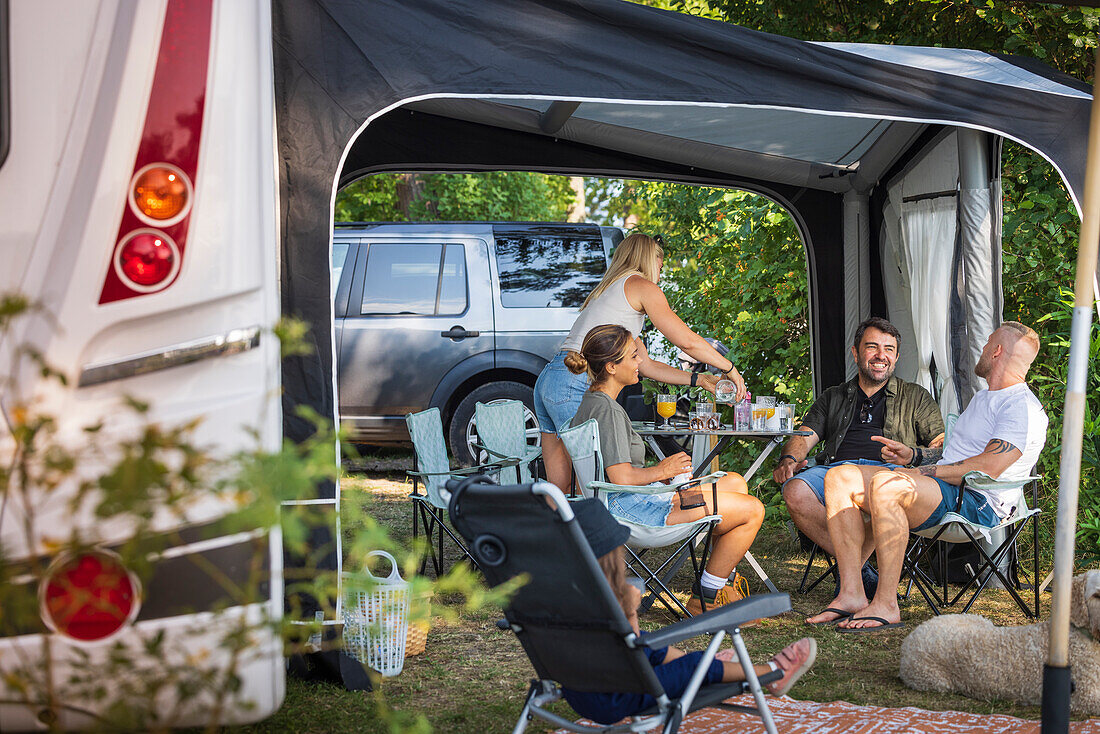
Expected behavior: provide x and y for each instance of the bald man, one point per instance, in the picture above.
(1001, 433)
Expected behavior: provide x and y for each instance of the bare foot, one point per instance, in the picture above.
(861, 619)
(847, 603)
(726, 655)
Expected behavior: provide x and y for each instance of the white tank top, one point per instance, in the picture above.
(610, 307)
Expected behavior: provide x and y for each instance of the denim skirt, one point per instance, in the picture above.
(644, 509)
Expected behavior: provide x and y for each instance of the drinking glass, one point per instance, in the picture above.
(666, 407)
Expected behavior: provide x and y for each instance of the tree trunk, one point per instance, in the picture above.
(410, 188)
(577, 211)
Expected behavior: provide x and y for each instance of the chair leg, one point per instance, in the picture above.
(992, 564)
(754, 682)
(830, 570)
(657, 586)
(525, 713)
(910, 565)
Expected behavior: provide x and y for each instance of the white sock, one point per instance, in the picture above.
(711, 582)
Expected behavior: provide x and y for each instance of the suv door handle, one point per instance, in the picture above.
(458, 333)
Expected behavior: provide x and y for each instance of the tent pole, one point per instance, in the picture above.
(1056, 673)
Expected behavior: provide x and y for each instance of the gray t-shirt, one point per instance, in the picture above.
(619, 442)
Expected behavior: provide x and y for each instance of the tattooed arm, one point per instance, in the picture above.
(998, 456)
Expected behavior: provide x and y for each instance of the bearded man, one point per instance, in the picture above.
(850, 420)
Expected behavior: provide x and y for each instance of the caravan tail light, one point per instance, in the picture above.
(160, 194)
(153, 229)
(89, 596)
(146, 259)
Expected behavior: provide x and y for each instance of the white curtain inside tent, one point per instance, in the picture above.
(928, 229)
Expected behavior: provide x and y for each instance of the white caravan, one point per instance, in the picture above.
(138, 208)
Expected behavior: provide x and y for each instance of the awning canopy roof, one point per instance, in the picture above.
(603, 87)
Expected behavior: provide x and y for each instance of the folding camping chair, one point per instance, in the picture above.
(571, 625)
(430, 465)
(955, 528)
(503, 435)
(583, 444)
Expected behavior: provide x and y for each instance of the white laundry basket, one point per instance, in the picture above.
(376, 617)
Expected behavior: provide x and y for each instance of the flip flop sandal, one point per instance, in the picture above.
(844, 614)
(883, 625)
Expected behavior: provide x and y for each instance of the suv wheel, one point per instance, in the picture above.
(462, 433)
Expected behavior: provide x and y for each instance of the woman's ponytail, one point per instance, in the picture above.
(576, 362)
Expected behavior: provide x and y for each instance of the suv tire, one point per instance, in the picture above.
(462, 427)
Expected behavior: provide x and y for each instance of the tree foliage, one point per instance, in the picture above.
(455, 197)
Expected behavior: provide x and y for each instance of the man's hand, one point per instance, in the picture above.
(786, 469)
(937, 442)
(894, 452)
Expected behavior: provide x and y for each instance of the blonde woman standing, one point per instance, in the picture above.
(627, 294)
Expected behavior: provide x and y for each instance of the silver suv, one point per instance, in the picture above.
(449, 314)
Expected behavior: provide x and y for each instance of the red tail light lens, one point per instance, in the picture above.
(147, 260)
(160, 194)
(89, 597)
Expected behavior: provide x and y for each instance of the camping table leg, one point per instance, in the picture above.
(715, 451)
(761, 573)
(760, 459)
(655, 448)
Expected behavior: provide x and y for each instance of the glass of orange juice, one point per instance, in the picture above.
(666, 407)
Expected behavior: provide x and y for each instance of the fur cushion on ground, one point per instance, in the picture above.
(967, 654)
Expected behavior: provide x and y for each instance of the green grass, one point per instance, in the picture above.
(473, 677)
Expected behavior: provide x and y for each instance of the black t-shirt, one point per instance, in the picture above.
(857, 443)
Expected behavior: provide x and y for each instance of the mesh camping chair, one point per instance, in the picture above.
(583, 444)
(955, 528)
(430, 465)
(568, 619)
(503, 435)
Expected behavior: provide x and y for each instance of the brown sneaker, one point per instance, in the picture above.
(726, 595)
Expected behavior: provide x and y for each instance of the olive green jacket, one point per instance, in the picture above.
(912, 417)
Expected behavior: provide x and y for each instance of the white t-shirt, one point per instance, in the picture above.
(1012, 414)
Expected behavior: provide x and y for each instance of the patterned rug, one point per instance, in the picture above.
(839, 717)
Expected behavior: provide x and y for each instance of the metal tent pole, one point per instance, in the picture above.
(1056, 672)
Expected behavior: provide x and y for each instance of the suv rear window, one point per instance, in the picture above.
(553, 268)
(414, 279)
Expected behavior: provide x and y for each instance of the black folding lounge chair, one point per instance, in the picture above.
(568, 620)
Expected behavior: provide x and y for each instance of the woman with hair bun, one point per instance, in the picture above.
(626, 294)
(611, 358)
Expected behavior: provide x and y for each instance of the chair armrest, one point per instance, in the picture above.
(609, 487)
(720, 618)
(506, 460)
(981, 480)
(492, 467)
(646, 489)
(697, 481)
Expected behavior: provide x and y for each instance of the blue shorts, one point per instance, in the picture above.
(558, 394)
(975, 507)
(644, 509)
(815, 475)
